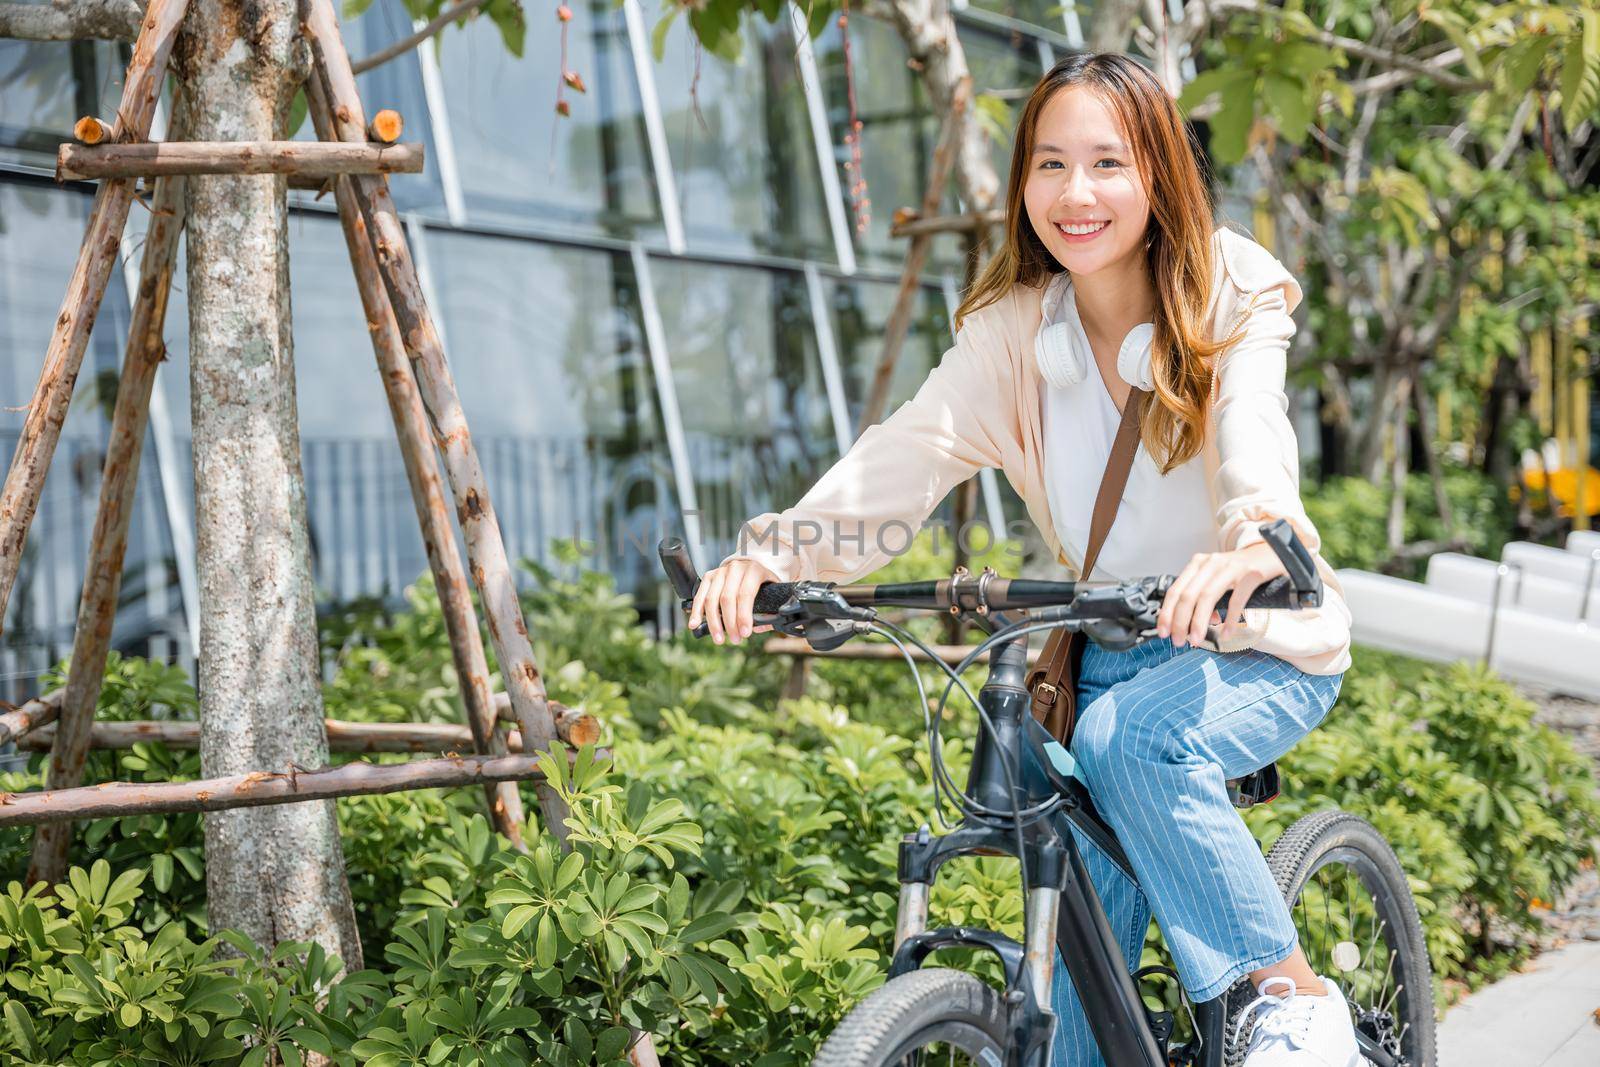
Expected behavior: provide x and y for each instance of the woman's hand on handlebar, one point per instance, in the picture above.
(1191, 601)
(726, 600)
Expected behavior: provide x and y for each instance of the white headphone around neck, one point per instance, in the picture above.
(1063, 355)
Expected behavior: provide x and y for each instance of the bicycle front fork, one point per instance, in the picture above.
(1061, 908)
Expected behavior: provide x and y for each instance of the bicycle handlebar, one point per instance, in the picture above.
(789, 606)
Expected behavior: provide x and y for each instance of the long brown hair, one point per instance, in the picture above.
(1177, 240)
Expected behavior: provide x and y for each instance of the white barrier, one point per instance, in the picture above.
(1583, 541)
(1548, 561)
(1409, 617)
(1474, 579)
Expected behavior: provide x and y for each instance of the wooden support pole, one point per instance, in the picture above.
(332, 90)
(91, 130)
(427, 494)
(386, 126)
(304, 159)
(916, 225)
(25, 480)
(259, 788)
(41, 711)
(108, 543)
(894, 331)
(794, 687)
(575, 727)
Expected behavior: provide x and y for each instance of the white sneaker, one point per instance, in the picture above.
(1293, 1030)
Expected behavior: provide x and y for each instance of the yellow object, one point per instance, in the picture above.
(1563, 485)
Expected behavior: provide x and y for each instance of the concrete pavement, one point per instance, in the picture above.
(1542, 1017)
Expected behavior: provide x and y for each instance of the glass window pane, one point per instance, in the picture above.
(1006, 66)
(549, 355)
(520, 162)
(741, 145)
(860, 311)
(898, 134)
(40, 227)
(46, 86)
(750, 390)
(1049, 14)
(364, 536)
(396, 84)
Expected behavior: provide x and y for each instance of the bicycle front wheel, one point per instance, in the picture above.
(1358, 925)
(920, 1019)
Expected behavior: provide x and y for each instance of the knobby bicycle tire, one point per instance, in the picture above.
(914, 1010)
(1318, 843)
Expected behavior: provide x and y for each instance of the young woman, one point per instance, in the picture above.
(1113, 277)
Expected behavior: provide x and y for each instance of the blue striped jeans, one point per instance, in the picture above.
(1160, 730)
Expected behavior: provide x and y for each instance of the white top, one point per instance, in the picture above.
(1161, 522)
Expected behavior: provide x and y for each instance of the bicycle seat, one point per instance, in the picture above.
(1258, 787)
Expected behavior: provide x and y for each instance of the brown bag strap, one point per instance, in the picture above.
(1046, 679)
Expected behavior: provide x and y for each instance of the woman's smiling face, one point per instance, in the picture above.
(1083, 171)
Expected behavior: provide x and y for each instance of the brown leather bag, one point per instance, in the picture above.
(1055, 697)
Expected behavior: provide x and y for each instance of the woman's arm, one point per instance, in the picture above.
(1258, 474)
(869, 504)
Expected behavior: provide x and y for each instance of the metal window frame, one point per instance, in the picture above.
(444, 144)
(1072, 24)
(828, 351)
(827, 161)
(655, 337)
(1186, 67)
(655, 127)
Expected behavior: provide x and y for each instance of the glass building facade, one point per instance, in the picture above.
(658, 311)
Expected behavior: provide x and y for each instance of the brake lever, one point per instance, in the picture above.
(1297, 561)
(819, 614)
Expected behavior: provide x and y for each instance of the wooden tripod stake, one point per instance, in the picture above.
(424, 405)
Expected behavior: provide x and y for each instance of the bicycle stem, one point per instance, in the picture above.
(1008, 703)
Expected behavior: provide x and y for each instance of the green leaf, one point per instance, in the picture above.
(1523, 61)
(297, 113)
(1209, 82)
(658, 36)
(161, 871)
(706, 927)
(1286, 99)
(1580, 73)
(516, 919)
(1230, 126)
(508, 18)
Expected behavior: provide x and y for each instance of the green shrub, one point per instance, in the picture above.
(731, 887)
(1352, 515)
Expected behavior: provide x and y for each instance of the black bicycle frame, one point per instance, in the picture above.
(1062, 908)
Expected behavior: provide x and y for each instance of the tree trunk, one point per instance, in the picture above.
(929, 32)
(275, 873)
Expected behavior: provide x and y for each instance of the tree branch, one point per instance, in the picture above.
(1197, 18)
(72, 20)
(401, 47)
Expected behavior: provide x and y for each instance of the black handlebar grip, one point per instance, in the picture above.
(679, 567)
(1279, 592)
(772, 596)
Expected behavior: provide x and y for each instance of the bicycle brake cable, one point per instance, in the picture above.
(886, 629)
(1018, 815)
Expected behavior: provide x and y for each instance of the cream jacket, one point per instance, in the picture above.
(981, 407)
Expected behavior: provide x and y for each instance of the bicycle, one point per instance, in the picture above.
(1020, 785)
